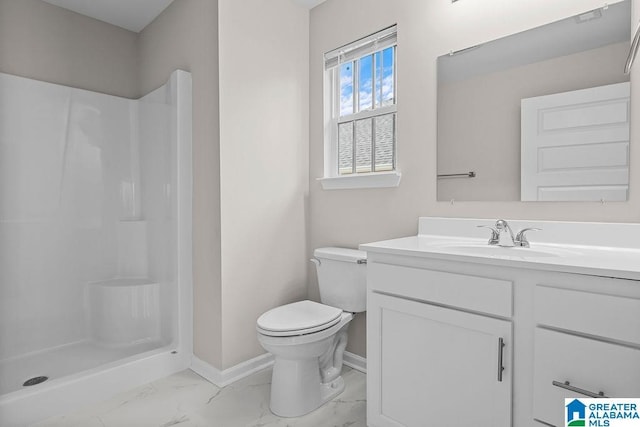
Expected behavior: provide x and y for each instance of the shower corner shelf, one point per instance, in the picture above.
(124, 282)
(132, 219)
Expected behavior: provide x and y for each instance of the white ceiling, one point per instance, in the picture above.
(131, 15)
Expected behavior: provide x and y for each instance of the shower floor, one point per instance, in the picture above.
(61, 361)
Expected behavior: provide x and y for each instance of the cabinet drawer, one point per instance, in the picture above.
(608, 316)
(587, 364)
(481, 294)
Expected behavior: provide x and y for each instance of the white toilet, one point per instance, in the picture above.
(308, 339)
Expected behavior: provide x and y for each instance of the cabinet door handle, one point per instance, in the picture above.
(500, 351)
(567, 386)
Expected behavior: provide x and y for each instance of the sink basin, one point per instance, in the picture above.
(500, 251)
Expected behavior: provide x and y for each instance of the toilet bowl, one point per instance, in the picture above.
(308, 339)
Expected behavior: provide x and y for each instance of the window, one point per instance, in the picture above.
(360, 108)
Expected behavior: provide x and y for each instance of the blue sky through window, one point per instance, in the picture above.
(384, 83)
(346, 89)
(383, 62)
(365, 91)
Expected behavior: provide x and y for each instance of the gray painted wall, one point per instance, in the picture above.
(66, 48)
(45, 42)
(426, 30)
(264, 132)
(185, 36)
(249, 159)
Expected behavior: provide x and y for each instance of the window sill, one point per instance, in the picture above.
(363, 180)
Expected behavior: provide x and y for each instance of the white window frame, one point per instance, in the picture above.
(352, 52)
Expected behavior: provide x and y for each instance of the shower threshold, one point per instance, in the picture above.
(58, 362)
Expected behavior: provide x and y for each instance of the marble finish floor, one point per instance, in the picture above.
(187, 400)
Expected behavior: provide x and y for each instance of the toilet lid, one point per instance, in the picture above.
(299, 316)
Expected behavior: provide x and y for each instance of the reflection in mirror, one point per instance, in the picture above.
(540, 115)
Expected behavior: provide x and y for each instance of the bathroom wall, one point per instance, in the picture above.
(265, 163)
(250, 161)
(250, 151)
(264, 81)
(45, 42)
(494, 101)
(185, 36)
(426, 29)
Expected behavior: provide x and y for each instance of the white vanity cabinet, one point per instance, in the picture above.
(587, 342)
(438, 332)
(439, 348)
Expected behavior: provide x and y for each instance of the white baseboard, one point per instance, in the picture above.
(232, 374)
(356, 362)
(244, 369)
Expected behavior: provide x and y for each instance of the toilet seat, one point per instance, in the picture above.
(298, 318)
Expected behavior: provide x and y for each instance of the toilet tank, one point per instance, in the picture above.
(342, 278)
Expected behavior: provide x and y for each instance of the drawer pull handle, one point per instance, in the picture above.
(567, 386)
(500, 351)
(542, 422)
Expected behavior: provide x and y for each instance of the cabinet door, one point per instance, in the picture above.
(433, 366)
(588, 364)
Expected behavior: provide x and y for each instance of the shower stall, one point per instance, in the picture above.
(95, 243)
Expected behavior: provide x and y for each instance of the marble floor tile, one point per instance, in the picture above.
(187, 400)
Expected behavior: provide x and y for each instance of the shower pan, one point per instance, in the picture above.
(95, 243)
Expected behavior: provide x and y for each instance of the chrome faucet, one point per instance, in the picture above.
(502, 235)
(505, 234)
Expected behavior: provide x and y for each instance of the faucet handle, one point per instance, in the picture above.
(495, 235)
(521, 238)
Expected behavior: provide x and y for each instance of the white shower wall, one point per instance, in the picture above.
(157, 158)
(87, 195)
(95, 243)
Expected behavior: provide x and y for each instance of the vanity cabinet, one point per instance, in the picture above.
(587, 342)
(438, 332)
(564, 363)
(438, 353)
(434, 362)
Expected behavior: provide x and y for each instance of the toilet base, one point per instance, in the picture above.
(297, 395)
(306, 370)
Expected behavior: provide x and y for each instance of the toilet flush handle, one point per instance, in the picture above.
(315, 261)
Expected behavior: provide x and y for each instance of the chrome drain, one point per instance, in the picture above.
(34, 381)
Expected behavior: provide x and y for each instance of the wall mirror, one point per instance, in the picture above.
(541, 115)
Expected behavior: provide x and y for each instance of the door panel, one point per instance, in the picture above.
(575, 145)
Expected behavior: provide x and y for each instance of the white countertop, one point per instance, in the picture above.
(608, 261)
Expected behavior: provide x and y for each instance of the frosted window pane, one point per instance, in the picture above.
(345, 148)
(385, 136)
(363, 145)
